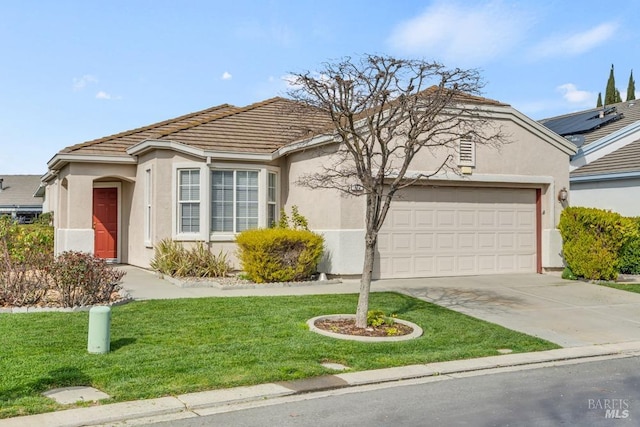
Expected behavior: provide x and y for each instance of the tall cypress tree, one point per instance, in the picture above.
(599, 104)
(610, 93)
(631, 88)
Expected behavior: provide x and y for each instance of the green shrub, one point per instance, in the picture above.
(26, 251)
(296, 222)
(377, 318)
(173, 259)
(279, 254)
(82, 279)
(567, 274)
(630, 253)
(592, 240)
(44, 219)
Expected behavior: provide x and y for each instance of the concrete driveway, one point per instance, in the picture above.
(569, 313)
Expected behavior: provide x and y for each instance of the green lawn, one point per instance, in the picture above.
(631, 287)
(170, 347)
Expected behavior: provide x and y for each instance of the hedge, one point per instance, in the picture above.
(593, 240)
(279, 254)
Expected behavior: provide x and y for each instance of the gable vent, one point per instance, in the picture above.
(467, 153)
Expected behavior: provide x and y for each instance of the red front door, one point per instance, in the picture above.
(105, 222)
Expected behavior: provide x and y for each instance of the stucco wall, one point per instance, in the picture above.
(615, 195)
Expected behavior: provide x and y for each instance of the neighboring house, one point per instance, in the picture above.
(18, 197)
(605, 172)
(208, 175)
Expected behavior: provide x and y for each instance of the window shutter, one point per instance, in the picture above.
(467, 154)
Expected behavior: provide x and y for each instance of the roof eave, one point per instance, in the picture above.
(607, 140)
(556, 140)
(605, 176)
(62, 159)
(161, 144)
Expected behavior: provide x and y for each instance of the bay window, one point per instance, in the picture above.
(217, 202)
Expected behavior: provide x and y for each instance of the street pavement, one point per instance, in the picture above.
(589, 321)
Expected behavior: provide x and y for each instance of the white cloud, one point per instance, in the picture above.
(226, 76)
(577, 43)
(107, 96)
(462, 33)
(80, 83)
(103, 95)
(576, 97)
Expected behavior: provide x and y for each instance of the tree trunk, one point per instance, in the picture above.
(365, 282)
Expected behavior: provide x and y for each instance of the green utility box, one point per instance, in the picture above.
(99, 330)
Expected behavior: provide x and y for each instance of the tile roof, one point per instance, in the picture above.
(18, 190)
(624, 159)
(630, 111)
(262, 127)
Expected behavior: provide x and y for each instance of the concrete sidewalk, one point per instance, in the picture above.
(209, 402)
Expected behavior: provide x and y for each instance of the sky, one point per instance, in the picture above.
(73, 71)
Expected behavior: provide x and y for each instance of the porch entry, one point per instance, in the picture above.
(105, 222)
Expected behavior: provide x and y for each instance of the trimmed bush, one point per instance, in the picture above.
(279, 254)
(630, 253)
(83, 279)
(173, 259)
(592, 241)
(26, 251)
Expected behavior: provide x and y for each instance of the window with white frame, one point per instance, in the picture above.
(147, 206)
(272, 206)
(189, 201)
(234, 200)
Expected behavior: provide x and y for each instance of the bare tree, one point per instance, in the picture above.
(383, 112)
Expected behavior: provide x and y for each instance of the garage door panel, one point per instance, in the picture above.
(446, 218)
(526, 241)
(487, 264)
(526, 218)
(467, 264)
(423, 241)
(467, 219)
(424, 218)
(401, 242)
(423, 265)
(486, 241)
(456, 231)
(445, 241)
(445, 265)
(402, 267)
(506, 218)
(506, 262)
(466, 241)
(401, 218)
(487, 218)
(506, 241)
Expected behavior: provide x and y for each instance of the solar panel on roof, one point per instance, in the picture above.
(583, 122)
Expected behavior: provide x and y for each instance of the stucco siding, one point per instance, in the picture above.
(622, 196)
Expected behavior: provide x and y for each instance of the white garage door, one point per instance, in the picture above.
(454, 231)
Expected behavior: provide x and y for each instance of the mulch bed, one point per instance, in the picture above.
(348, 327)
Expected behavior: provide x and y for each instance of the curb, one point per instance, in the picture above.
(195, 402)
